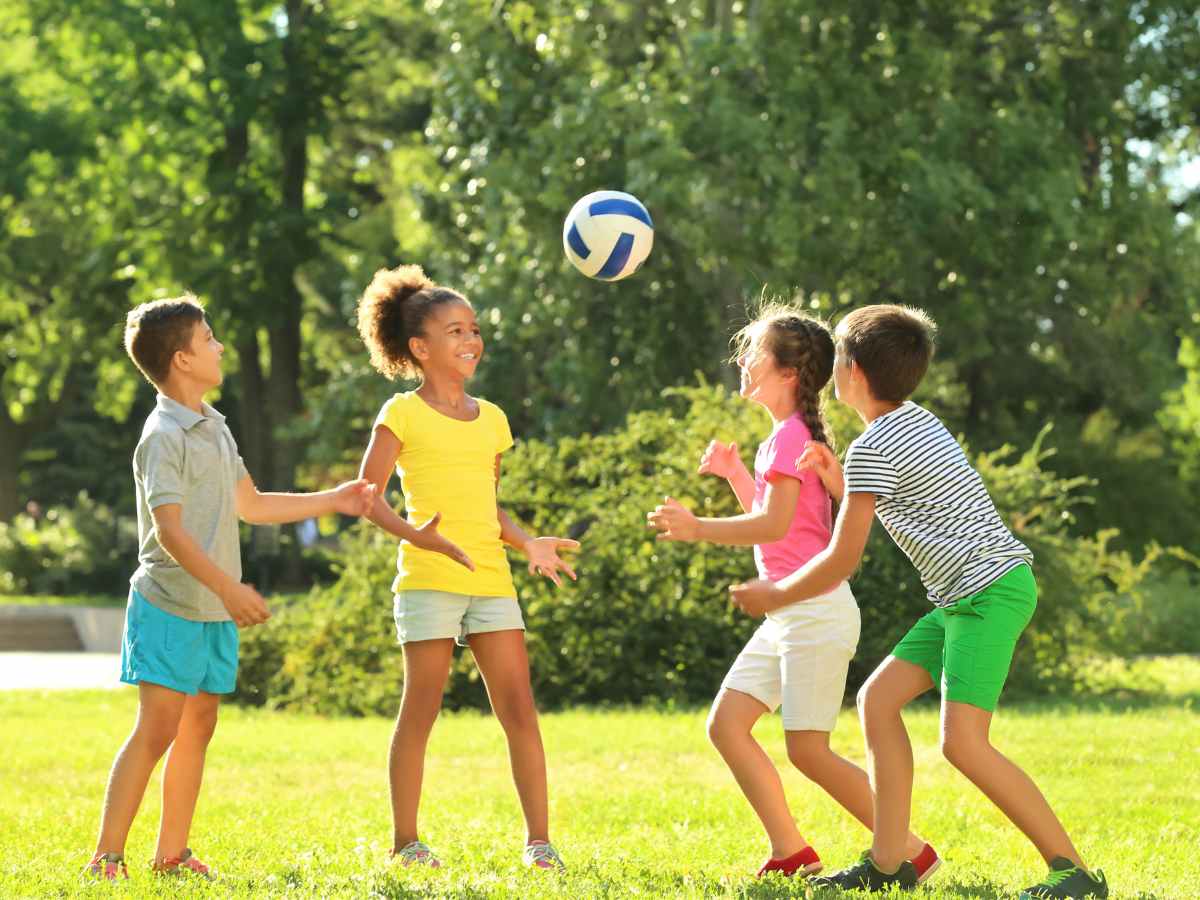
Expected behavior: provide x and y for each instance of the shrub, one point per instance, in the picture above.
(85, 548)
(650, 620)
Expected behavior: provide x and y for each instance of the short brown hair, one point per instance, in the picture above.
(393, 309)
(891, 344)
(156, 331)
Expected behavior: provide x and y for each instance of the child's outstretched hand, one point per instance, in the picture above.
(428, 538)
(674, 521)
(720, 459)
(817, 457)
(756, 598)
(544, 558)
(354, 498)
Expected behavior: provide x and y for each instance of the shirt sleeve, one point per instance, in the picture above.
(160, 467)
(784, 449)
(392, 417)
(504, 438)
(867, 471)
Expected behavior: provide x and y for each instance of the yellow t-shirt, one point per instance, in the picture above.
(449, 466)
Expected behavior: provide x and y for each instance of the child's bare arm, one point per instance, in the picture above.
(724, 461)
(823, 572)
(244, 604)
(675, 522)
(542, 552)
(817, 457)
(353, 498)
(376, 468)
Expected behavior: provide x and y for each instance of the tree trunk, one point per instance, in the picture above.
(253, 419)
(12, 445)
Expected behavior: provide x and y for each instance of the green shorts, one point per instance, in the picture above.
(967, 648)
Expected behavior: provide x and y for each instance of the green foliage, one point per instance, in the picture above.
(649, 620)
(71, 550)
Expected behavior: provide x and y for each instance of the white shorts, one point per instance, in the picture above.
(798, 657)
(429, 615)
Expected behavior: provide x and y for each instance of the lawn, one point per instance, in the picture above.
(61, 600)
(297, 806)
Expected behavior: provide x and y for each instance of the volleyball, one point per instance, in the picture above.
(608, 235)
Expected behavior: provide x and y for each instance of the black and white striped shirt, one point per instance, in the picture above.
(932, 503)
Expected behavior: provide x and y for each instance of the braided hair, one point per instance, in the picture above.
(803, 344)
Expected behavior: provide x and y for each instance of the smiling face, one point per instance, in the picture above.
(451, 342)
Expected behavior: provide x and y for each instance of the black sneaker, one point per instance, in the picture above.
(1067, 880)
(864, 876)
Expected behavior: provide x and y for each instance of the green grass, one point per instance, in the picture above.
(61, 600)
(641, 805)
(109, 600)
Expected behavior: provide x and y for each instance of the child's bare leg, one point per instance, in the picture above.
(159, 710)
(729, 725)
(889, 754)
(426, 667)
(504, 664)
(809, 751)
(966, 745)
(183, 773)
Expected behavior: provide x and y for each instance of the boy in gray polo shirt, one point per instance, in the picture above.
(187, 599)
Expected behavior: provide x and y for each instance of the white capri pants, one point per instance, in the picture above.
(798, 658)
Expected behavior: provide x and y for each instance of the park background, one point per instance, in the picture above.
(1027, 173)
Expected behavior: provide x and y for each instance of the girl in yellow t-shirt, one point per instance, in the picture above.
(453, 582)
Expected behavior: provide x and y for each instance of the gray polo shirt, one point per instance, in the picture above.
(190, 459)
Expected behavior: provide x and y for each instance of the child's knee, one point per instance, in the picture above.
(155, 736)
(808, 757)
(721, 727)
(962, 752)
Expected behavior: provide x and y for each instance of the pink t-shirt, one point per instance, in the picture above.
(812, 525)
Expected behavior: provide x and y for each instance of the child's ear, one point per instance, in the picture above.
(418, 348)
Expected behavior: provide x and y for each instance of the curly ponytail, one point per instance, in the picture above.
(393, 309)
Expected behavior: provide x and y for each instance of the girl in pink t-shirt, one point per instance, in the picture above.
(799, 656)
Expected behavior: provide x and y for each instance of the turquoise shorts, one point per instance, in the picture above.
(160, 648)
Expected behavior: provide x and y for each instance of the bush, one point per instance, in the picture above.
(650, 621)
(81, 549)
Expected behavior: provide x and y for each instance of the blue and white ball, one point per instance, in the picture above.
(608, 235)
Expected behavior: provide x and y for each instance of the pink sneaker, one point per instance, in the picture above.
(184, 864)
(541, 855)
(926, 863)
(416, 853)
(107, 867)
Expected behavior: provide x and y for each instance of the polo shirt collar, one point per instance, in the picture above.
(184, 416)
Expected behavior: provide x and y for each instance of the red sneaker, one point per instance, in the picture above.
(926, 863)
(184, 864)
(804, 863)
(107, 867)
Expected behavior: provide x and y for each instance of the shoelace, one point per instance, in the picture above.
(543, 853)
(1056, 876)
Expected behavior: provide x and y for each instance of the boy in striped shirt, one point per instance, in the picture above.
(910, 472)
